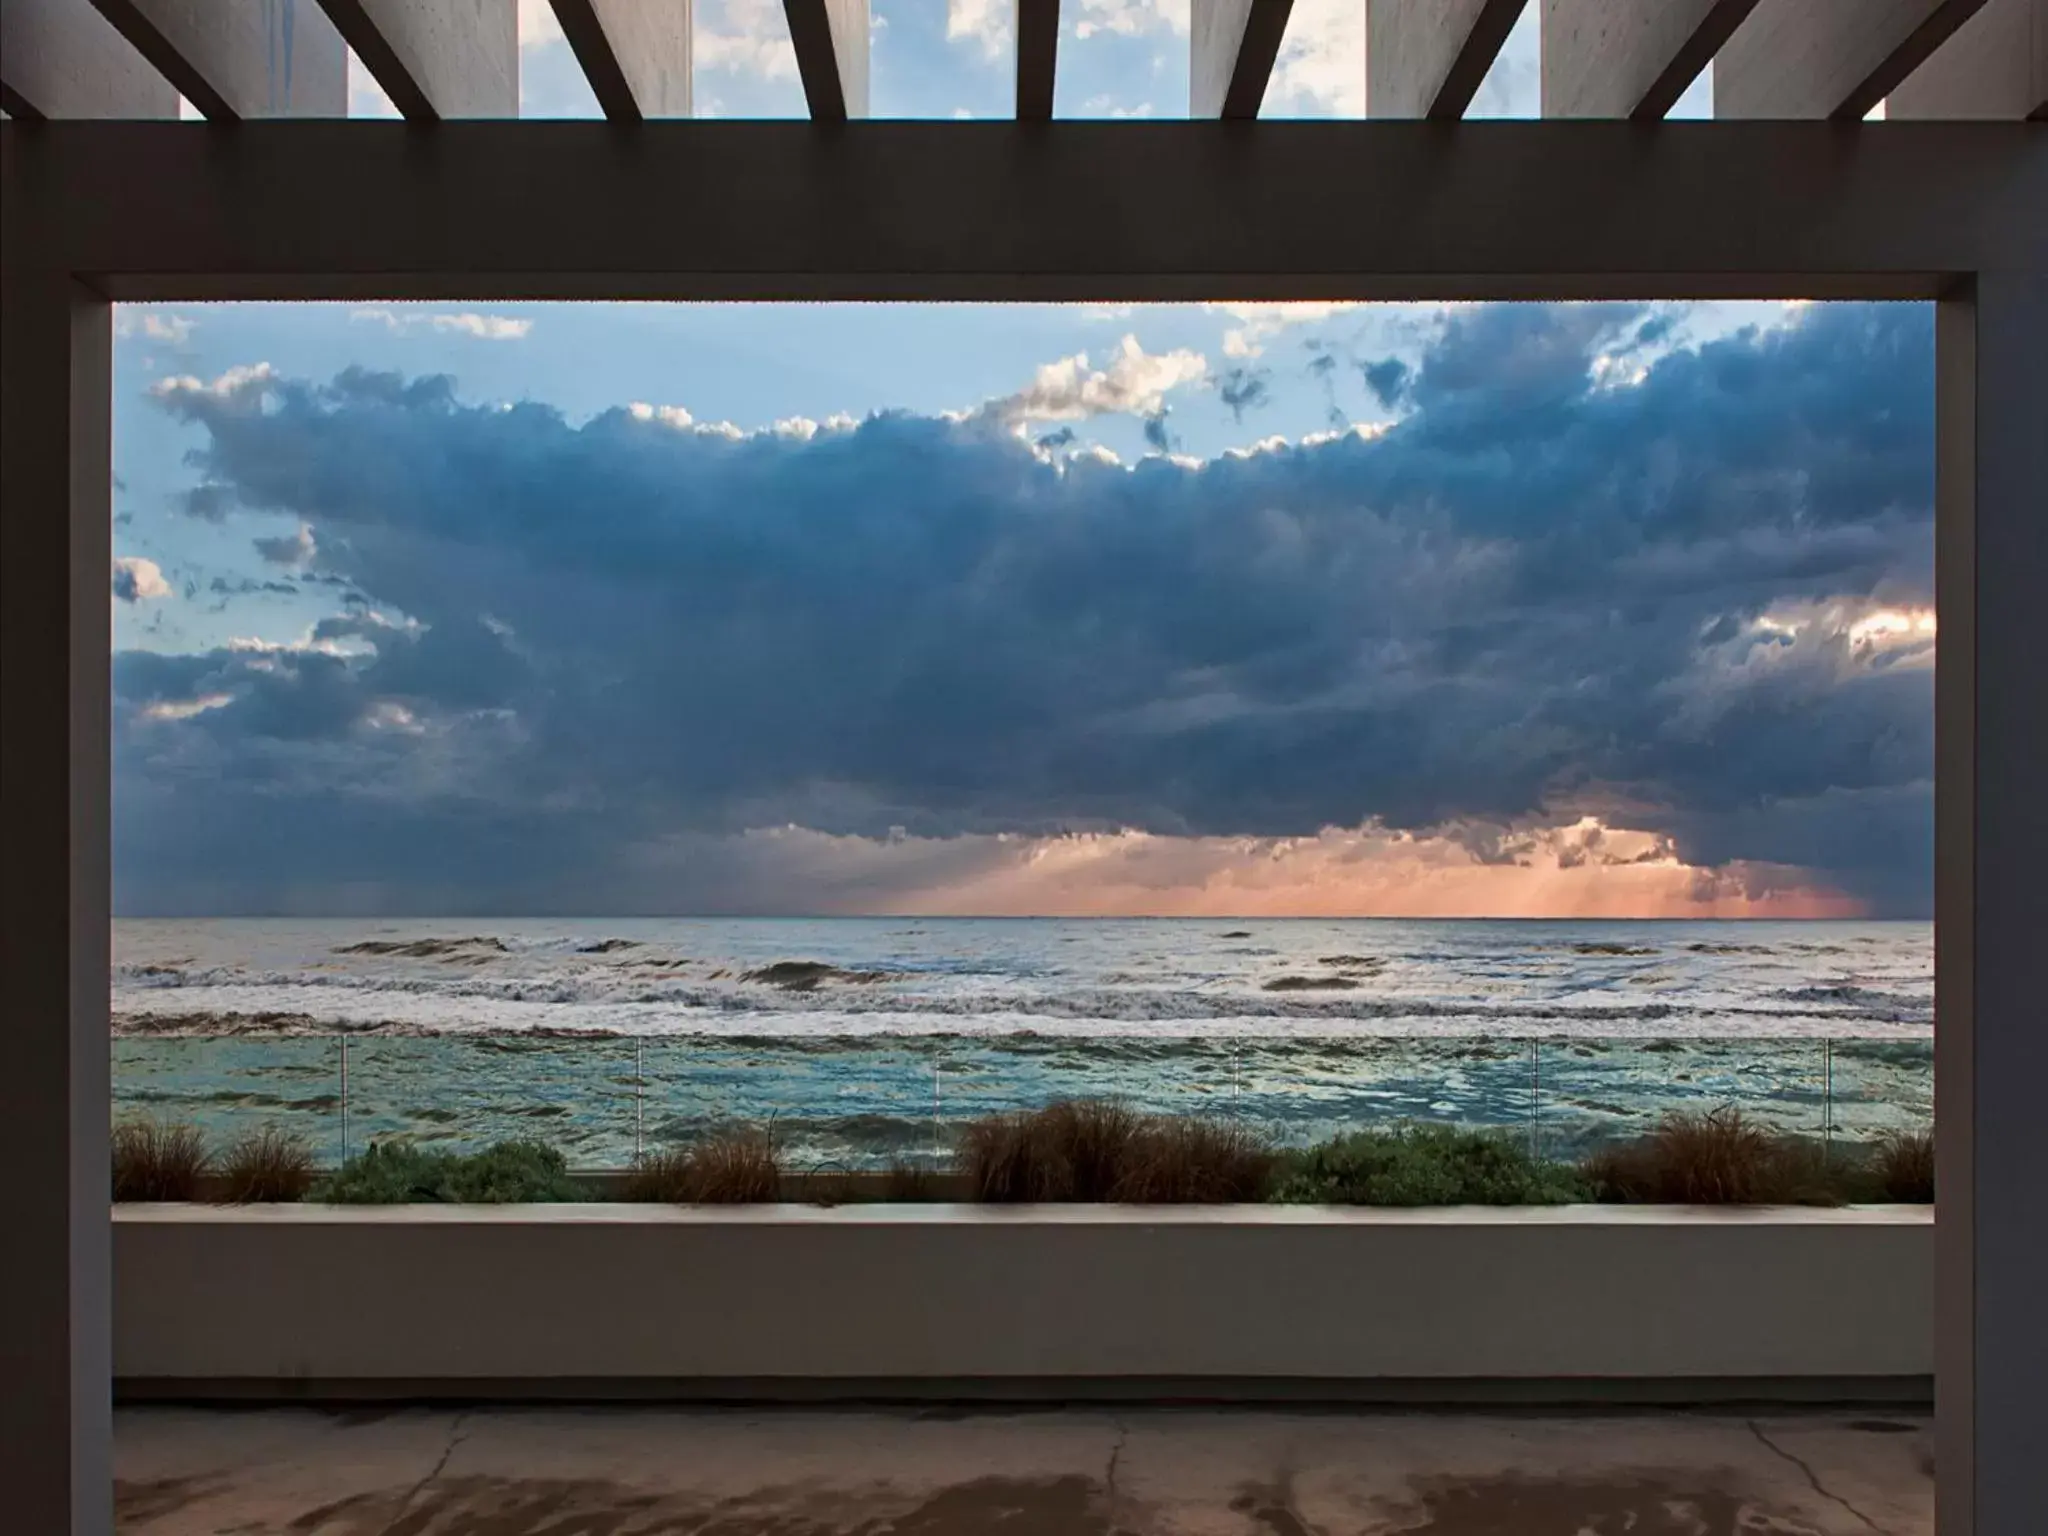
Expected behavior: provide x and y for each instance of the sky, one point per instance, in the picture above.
(1206, 609)
(1235, 608)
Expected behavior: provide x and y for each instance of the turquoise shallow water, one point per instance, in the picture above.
(606, 1037)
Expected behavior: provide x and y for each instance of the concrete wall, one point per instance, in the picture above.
(311, 1298)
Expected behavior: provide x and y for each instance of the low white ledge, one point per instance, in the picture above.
(603, 1299)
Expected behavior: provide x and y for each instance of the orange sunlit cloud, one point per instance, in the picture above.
(1580, 870)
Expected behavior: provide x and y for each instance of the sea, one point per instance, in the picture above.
(866, 1041)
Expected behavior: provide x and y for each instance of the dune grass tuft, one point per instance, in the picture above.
(736, 1167)
(158, 1160)
(1903, 1164)
(909, 1184)
(1095, 1150)
(268, 1164)
(1720, 1158)
(739, 1165)
(1074, 1151)
(661, 1177)
(1007, 1160)
(1193, 1161)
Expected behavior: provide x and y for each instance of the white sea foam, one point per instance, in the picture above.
(1044, 976)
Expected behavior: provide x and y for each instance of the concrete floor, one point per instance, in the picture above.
(1144, 1472)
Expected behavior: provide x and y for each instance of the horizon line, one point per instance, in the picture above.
(959, 917)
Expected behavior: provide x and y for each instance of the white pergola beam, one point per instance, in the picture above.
(831, 40)
(1828, 58)
(1038, 47)
(634, 53)
(1996, 66)
(62, 58)
(1231, 48)
(1630, 58)
(448, 58)
(1425, 58)
(235, 61)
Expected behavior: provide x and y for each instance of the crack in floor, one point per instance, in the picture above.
(454, 1439)
(1811, 1477)
(1123, 1433)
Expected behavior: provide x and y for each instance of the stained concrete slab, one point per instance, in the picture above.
(644, 1471)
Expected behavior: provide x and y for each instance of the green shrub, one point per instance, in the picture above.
(1425, 1165)
(399, 1173)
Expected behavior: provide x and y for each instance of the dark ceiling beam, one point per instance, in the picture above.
(1102, 212)
(1038, 44)
(831, 41)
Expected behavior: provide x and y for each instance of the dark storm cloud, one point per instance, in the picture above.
(1533, 593)
(1244, 389)
(207, 501)
(1388, 381)
(294, 549)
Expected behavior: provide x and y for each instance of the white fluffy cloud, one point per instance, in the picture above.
(137, 580)
(1258, 322)
(1321, 66)
(1130, 18)
(151, 325)
(243, 379)
(747, 37)
(982, 23)
(483, 327)
(1135, 381)
(537, 23)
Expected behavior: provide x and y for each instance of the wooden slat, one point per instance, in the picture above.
(1630, 58)
(1995, 67)
(1828, 58)
(634, 53)
(1426, 58)
(62, 58)
(1231, 48)
(447, 58)
(237, 61)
